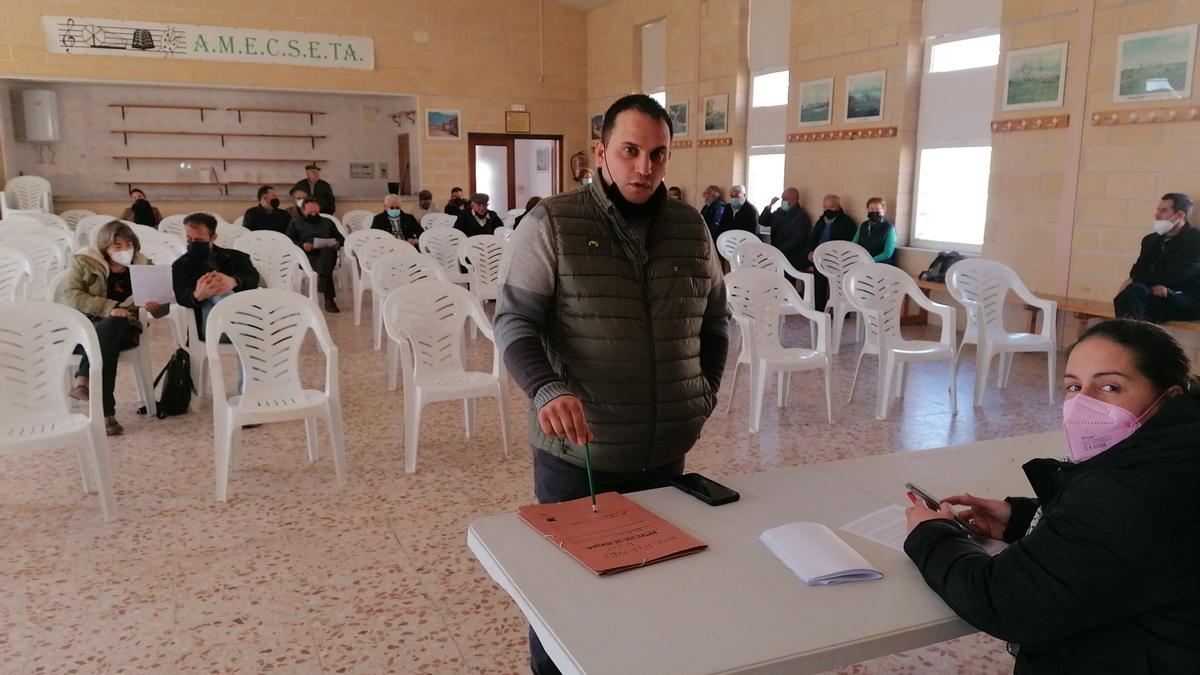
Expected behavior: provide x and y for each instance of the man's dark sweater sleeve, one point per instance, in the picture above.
(714, 329)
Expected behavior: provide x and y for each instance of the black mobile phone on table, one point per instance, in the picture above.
(934, 504)
(706, 490)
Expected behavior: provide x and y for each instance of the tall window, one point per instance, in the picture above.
(654, 60)
(770, 89)
(766, 120)
(764, 174)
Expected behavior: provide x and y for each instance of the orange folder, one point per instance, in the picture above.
(621, 535)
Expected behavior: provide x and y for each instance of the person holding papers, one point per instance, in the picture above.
(98, 284)
(1102, 573)
(320, 239)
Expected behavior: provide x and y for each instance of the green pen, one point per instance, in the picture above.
(587, 463)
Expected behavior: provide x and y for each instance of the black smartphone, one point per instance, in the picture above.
(934, 504)
(706, 490)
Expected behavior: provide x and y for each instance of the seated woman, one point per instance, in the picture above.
(98, 284)
(1101, 575)
(141, 211)
(877, 234)
(533, 201)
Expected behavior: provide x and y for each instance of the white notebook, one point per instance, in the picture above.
(817, 555)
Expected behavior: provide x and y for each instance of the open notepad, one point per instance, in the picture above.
(817, 555)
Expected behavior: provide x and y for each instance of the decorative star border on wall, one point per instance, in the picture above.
(1186, 113)
(1031, 123)
(843, 135)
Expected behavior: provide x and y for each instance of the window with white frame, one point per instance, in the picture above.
(952, 194)
(976, 52)
(769, 89)
(764, 174)
(654, 60)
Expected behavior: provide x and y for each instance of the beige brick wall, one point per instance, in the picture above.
(480, 57)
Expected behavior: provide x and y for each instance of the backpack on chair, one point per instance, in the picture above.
(940, 265)
(177, 386)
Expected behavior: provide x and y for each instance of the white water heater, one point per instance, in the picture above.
(41, 116)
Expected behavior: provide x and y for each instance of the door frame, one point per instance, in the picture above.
(508, 140)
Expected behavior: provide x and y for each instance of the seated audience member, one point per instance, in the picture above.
(396, 222)
(266, 215)
(207, 273)
(790, 227)
(424, 205)
(98, 285)
(304, 231)
(533, 201)
(141, 211)
(741, 214)
(833, 225)
(675, 192)
(318, 189)
(457, 205)
(713, 210)
(298, 196)
(877, 234)
(586, 176)
(479, 219)
(1164, 283)
(1100, 576)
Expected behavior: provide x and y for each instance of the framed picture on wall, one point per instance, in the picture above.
(1156, 64)
(442, 124)
(597, 124)
(678, 112)
(543, 160)
(864, 96)
(716, 114)
(816, 102)
(1034, 77)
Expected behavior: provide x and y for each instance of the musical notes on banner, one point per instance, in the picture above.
(81, 36)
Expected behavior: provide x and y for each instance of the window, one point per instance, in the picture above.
(764, 176)
(660, 96)
(977, 52)
(952, 194)
(770, 89)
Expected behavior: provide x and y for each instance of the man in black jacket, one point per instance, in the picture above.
(318, 189)
(396, 222)
(266, 215)
(323, 255)
(741, 214)
(457, 205)
(1164, 283)
(790, 227)
(833, 225)
(208, 273)
(478, 219)
(713, 210)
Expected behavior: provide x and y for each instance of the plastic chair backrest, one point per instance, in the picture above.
(336, 223)
(757, 255)
(46, 257)
(482, 255)
(879, 291)
(85, 225)
(398, 269)
(14, 227)
(757, 298)
(981, 286)
(430, 316)
(173, 224)
(164, 249)
(72, 216)
(49, 219)
(433, 220)
(139, 230)
(26, 193)
(442, 243)
(239, 221)
(367, 246)
(281, 267)
(834, 259)
(16, 273)
(229, 233)
(34, 353)
(728, 242)
(358, 219)
(503, 233)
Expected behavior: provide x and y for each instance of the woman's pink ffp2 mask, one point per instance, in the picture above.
(1093, 426)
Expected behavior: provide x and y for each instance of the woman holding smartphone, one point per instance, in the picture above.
(1103, 571)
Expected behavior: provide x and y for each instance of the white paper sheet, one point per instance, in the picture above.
(320, 242)
(889, 527)
(151, 283)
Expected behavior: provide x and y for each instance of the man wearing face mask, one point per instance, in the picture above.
(208, 273)
(266, 215)
(457, 205)
(612, 318)
(321, 240)
(396, 222)
(741, 214)
(298, 196)
(790, 227)
(833, 225)
(318, 189)
(877, 234)
(1164, 283)
(424, 205)
(478, 219)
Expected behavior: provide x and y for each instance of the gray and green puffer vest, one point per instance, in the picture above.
(624, 332)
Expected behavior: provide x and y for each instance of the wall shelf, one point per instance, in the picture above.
(224, 160)
(312, 114)
(156, 106)
(126, 133)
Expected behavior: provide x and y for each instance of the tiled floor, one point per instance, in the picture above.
(298, 575)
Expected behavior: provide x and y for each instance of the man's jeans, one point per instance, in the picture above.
(1138, 302)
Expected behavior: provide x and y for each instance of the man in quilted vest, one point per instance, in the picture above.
(612, 318)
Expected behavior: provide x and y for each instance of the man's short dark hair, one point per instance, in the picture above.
(204, 219)
(424, 194)
(1179, 201)
(307, 201)
(300, 190)
(264, 190)
(639, 102)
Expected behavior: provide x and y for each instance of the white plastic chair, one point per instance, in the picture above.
(239, 221)
(25, 193)
(481, 256)
(427, 318)
(143, 232)
(503, 233)
(35, 413)
(442, 244)
(758, 299)
(981, 287)
(358, 219)
(64, 241)
(185, 335)
(728, 243)
(434, 220)
(173, 224)
(391, 272)
(50, 219)
(84, 227)
(364, 247)
(219, 218)
(878, 291)
(163, 249)
(229, 233)
(280, 263)
(833, 259)
(267, 328)
(72, 216)
(137, 356)
(16, 274)
(46, 257)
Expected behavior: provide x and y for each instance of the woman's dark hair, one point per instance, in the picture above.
(533, 201)
(1156, 354)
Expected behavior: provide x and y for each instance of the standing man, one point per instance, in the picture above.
(457, 205)
(713, 210)
(613, 320)
(305, 231)
(396, 222)
(478, 219)
(1164, 283)
(318, 189)
(741, 214)
(266, 214)
(833, 224)
(790, 227)
(424, 205)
